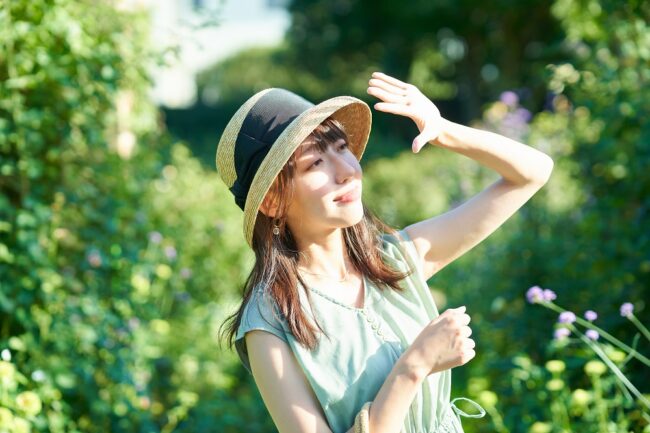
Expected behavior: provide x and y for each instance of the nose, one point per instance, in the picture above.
(345, 165)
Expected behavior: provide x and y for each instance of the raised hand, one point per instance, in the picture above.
(405, 99)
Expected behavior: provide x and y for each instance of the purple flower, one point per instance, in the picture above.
(509, 98)
(591, 315)
(186, 273)
(566, 317)
(534, 294)
(155, 237)
(561, 333)
(627, 309)
(170, 252)
(548, 295)
(523, 114)
(512, 120)
(592, 334)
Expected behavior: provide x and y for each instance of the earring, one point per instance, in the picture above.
(276, 226)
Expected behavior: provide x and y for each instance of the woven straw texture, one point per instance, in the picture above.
(353, 113)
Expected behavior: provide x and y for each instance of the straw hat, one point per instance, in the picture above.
(266, 130)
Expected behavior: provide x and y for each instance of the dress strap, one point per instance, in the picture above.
(460, 412)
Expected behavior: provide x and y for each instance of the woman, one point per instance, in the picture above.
(337, 324)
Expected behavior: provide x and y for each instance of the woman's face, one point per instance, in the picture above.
(321, 178)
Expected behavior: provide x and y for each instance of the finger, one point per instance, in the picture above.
(466, 331)
(386, 96)
(400, 109)
(386, 86)
(464, 319)
(470, 344)
(453, 311)
(423, 139)
(391, 80)
(419, 142)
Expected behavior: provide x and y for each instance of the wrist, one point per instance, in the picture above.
(409, 367)
(446, 135)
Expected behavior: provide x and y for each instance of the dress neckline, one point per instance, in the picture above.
(366, 296)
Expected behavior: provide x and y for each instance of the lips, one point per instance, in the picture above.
(350, 195)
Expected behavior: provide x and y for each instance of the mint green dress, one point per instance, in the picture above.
(348, 369)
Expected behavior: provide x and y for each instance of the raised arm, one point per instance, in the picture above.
(444, 343)
(524, 170)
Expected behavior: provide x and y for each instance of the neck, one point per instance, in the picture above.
(325, 256)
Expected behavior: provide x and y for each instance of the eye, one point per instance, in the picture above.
(318, 161)
(315, 163)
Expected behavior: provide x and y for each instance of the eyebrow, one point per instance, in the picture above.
(310, 146)
(306, 149)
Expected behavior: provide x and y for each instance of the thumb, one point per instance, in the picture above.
(418, 143)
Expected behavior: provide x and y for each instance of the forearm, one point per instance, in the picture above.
(390, 407)
(514, 161)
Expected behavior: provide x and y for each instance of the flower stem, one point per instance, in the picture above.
(599, 403)
(596, 348)
(607, 336)
(496, 419)
(639, 325)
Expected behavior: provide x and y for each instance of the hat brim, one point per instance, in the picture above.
(353, 113)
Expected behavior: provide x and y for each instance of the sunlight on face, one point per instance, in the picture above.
(320, 178)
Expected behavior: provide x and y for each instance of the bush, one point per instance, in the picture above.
(110, 235)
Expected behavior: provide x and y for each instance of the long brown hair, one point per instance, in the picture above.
(276, 256)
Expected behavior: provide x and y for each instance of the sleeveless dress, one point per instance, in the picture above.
(347, 372)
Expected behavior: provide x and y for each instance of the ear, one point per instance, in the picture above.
(269, 206)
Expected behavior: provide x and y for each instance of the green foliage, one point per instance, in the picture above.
(572, 391)
(460, 54)
(120, 254)
(115, 245)
(468, 50)
(255, 69)
(584, 234)
(19, 407)
(412, 187)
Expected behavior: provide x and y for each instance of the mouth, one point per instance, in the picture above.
(349, 196)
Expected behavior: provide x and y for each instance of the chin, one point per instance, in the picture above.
(355, 217)
(347, 217)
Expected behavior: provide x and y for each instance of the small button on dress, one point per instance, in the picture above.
(361, 345)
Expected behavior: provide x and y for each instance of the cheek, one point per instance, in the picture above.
(312, 187)
(315, 181)
(310, 195)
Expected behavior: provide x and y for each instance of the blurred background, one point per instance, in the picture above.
(121, 251)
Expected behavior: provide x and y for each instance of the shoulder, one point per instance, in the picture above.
(260, 313)
(397, 246)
